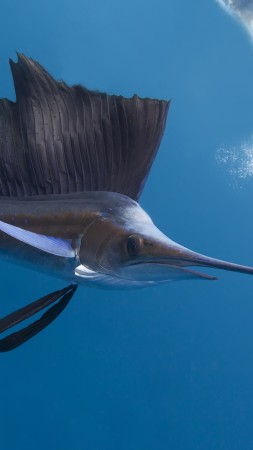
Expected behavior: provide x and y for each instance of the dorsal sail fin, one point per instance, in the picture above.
(58, 139)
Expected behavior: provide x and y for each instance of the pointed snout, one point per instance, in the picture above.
(170, 253)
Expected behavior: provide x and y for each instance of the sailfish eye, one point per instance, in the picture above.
(133, 245)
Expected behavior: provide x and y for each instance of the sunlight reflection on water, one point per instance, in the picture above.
(242, 10)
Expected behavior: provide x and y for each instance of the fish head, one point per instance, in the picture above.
(127, 248)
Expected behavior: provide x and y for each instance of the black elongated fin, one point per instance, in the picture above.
(18, 338)
(58, 139)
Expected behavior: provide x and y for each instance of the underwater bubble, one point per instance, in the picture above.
(238, 160)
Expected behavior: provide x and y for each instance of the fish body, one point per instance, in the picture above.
(104, 239)
(76, 218)
(88, 221)
(73, 164)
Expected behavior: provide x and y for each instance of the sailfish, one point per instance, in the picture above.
(73, 164)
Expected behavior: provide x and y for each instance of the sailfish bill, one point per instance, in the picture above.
(73, 164)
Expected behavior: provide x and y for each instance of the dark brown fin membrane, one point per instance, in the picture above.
(16, 339)
(58, 139)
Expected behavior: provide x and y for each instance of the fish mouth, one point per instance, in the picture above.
(168, 261)
(173, 262)
(161, 271)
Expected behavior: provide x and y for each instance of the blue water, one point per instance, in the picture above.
(170, 367)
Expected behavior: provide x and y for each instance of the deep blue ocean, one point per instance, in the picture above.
(169, 368)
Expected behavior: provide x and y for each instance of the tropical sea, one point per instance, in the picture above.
(167, 368)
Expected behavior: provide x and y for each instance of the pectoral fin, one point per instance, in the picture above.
(49, 244)
(16, 339)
